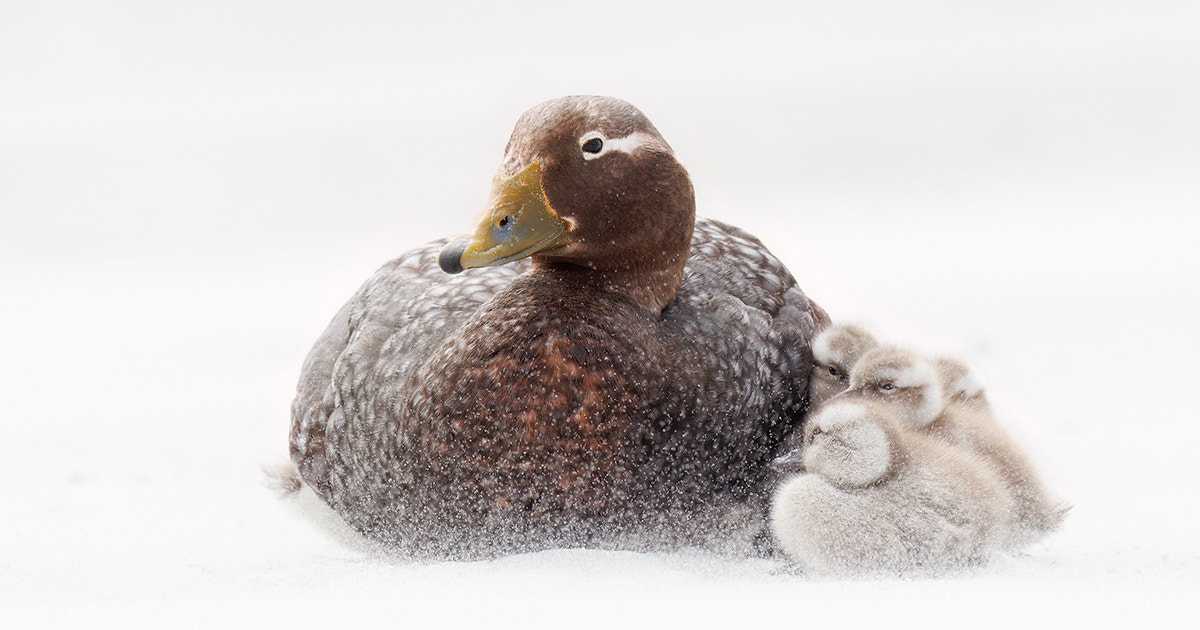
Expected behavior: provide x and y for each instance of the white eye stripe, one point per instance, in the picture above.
(626, 144)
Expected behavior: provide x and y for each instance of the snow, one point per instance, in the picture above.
(189, 193)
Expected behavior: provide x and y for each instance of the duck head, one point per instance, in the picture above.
(587, 184)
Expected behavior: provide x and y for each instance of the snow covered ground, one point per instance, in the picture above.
(188, 194)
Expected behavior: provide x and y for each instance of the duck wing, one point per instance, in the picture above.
(740, 329)
(395, 320)
(743, 330)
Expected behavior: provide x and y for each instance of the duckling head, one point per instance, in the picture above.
(835, 351)
(959, 380)
(851, 443)
(902, 380)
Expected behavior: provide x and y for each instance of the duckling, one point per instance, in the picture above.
(835, 351)
(944, 398)
(877, 497)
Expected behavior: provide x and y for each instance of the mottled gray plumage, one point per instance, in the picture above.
(523, 406)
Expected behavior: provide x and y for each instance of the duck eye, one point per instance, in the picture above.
(593, 146)
(834, 371)
(886, 387)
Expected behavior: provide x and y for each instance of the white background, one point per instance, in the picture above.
(189, 190)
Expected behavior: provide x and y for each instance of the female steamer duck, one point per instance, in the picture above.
(606, 372)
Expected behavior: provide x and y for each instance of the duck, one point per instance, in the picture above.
(944, 397)
(835, 351)
(870, 495)
(588, 365)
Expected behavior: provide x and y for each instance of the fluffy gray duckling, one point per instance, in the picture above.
(944, 398)
(875, 497)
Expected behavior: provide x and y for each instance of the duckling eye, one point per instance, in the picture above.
(886, 387)
(593, 146)
(834, 371)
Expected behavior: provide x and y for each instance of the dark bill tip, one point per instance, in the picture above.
(450, 260)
